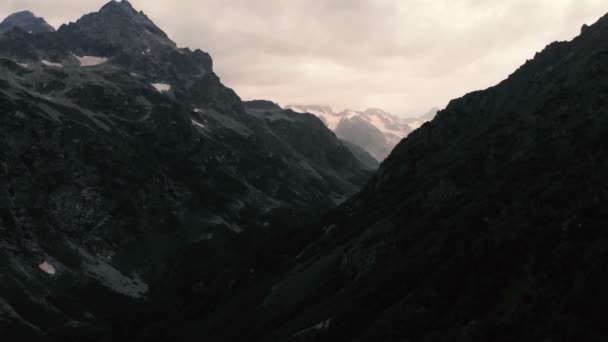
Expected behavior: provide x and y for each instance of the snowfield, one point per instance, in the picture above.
(196, 123)
(47, 268)
(51, 64)
(87, 61)
(162, 87)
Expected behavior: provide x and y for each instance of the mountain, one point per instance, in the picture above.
(375, 130)
(310, 139)
(486, 224)
(364, 157)
(27, 22)
(132, 180)
(417, 122)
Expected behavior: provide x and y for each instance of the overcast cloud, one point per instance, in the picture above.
(404, 56)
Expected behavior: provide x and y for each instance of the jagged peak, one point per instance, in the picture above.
(22, 14)
(27, 21)
(262, 104)
(123, 5)
(119, 24)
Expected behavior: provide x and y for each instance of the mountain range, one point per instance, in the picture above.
(375, 130)
(121, 155)
(142, 200)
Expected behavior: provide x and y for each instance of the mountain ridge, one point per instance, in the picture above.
(133, 179)
(26, 21)
(485, 224)
(374, 129)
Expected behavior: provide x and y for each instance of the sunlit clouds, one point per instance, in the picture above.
(405, 56)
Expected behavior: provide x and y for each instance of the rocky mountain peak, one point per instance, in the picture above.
(119, 7)
(312, 108)
(119, 26)
(26, 21)
(262, 104)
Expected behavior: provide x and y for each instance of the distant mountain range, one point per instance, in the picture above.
(375, 130)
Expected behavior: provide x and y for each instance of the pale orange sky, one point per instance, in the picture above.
(404, 56)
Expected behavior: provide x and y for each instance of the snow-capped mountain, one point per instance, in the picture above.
(417, 122)
(120, 154)
(375, 130)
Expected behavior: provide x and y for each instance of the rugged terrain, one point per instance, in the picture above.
(121, 154)
(375, 130)
(27, 22)
(486, 224)
(143, 201)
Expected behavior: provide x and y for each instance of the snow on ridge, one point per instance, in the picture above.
(47, 268)
(51, 64)
(86, 61)
(162, 87)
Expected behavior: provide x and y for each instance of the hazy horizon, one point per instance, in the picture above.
(402, 56)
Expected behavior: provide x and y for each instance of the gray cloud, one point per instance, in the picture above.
(402, 55)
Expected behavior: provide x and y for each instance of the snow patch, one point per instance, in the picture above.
(198, 124)
(112, 278)
(47, 268)
(99, 269)
(51, 64)
(320, 326)
(86, 61)
(24, 65)
(162, 87)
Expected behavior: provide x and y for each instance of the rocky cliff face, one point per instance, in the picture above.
(132, 180)
(486, 224)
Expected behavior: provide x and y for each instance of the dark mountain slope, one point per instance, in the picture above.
(358, 130)
(364, 157)
(133, 181)
(487, 224)
(308, 135)
(25, 21)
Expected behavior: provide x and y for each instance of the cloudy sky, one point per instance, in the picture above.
(404, 56)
